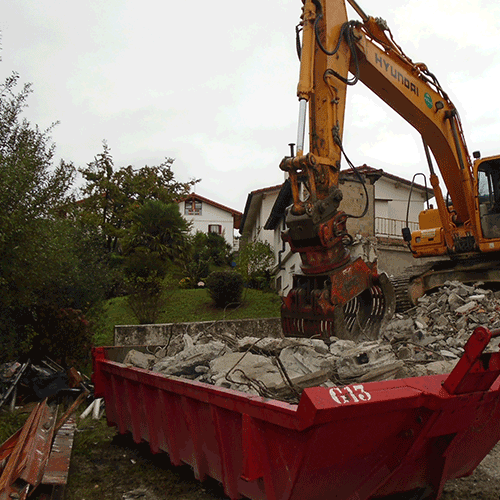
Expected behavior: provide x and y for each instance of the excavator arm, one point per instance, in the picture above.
(335, 295)
(413, 92)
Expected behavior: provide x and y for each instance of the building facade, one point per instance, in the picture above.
(208, 216)
(377, 235)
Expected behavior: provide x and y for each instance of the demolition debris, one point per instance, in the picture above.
(425, 340)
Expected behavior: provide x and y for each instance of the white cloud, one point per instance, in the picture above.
(215, 85)
(463, 22)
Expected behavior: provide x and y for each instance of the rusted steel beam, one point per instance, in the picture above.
(27, 453)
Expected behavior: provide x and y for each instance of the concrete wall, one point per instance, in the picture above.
(394, 258)
(354, 202)
(160, 334)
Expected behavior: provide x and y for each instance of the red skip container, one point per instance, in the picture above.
(399, 439)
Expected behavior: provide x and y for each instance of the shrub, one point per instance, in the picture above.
(146, 298)
(225, 287)
(255, 260)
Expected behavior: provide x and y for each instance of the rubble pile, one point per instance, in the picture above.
(426, 340)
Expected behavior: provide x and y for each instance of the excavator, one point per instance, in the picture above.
(335, 295)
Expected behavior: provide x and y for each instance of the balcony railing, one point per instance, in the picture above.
(392, 227)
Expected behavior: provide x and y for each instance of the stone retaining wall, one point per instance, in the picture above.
(159, 334)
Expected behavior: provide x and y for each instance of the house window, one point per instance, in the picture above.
(278, 284)
(215, 228)
(192, 207)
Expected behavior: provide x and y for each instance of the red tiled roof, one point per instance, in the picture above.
(194, 196)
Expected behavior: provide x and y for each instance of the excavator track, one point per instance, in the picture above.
(401, 285)
(419, 280)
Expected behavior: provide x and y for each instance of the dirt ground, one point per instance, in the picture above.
(106, 465)
(483, 484)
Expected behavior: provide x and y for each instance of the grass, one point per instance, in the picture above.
(10, 423)
(185, 306)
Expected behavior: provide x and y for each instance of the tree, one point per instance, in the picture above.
(204, 252)
(255, 260)
(111, 197)
(38, 253)
(196, 264)
(157, 237)
(217, 250)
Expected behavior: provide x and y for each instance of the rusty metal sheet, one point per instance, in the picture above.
(17, 456)
(27, 451)
(38, 446)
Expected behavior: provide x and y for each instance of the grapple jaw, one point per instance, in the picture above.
(351, 302)
(335, 295)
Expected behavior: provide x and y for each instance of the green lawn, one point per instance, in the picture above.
(185, 306)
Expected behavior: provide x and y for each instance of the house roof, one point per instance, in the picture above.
(252, 198)
(367, 170)
(280, 205)
(236, 215)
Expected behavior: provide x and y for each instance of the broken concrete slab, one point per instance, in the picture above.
(304, 359)
(365, 358)
(139, 359)
(239, 370)
(188, 359)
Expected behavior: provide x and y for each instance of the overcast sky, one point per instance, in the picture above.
(213, 84)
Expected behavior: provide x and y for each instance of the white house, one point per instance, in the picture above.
(392, 194)
(257, 209)
(209, 216)
(263, 218)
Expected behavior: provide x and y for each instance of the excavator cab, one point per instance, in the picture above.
(488, 193)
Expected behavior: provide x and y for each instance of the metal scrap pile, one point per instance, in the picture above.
(425, 340)
(37, 456)
(22, 382)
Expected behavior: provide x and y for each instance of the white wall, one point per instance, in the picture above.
(268, 201)
(397, 194)
(211, 215)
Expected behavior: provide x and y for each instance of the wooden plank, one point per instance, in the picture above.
(57, 468)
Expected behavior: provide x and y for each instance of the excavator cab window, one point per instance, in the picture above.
(488, 182)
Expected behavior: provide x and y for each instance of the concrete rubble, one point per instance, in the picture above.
(425, 340)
